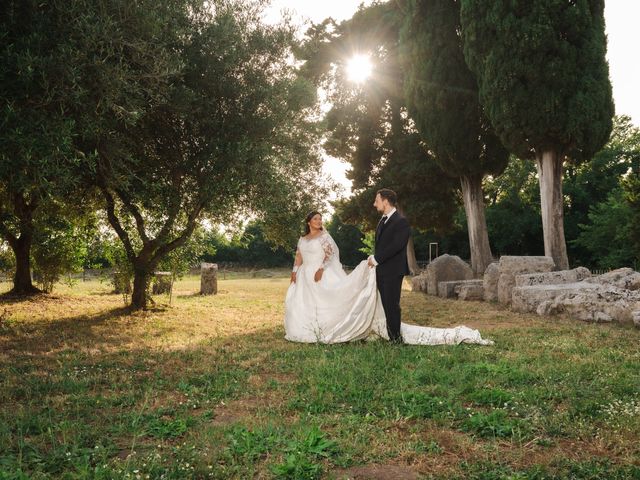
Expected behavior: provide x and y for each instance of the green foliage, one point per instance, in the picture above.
(542, 73)
(199, 112)
(37, 157)
(607, 235)
(442, 93)
(631, 186)
(180, 260)
(160, 428)
(258, 250)
(494, 424)
(7, 258)
(369, 126)
(299, 462)
(591, 184)
(252, 444)
(494, 397)
(349, 240)
(368, 243)
(59, 248)
(513, 210)
(297, 466)
(250, 247)
(598, 216)
(39, 164)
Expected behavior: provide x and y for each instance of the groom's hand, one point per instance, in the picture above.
(318, 274)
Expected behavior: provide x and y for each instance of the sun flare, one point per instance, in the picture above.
(359, 68)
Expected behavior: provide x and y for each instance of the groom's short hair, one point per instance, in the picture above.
(389, 195)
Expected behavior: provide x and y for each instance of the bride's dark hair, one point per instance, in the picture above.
(310, 215)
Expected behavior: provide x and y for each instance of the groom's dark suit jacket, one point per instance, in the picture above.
(391, 246)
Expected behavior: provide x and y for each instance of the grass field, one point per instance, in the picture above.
(208, 388)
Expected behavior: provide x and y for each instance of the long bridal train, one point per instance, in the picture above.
(343, 308)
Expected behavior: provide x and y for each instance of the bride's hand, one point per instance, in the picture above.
(318, 276)
(293, 277)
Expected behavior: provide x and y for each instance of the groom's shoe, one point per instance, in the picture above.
(396, 341)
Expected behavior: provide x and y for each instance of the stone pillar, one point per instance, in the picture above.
(161, 282)
(209, 279)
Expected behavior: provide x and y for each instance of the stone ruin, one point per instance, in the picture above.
(209, 279)
(531, 284)
(613, 296)
(445, 268)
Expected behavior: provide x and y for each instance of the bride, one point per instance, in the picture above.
(325, 305)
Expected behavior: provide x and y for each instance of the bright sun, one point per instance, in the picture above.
(359, 68)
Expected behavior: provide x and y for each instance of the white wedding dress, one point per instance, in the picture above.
(344, 308)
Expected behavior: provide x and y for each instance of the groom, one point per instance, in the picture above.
(390, 258)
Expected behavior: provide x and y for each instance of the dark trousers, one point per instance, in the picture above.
(390, 288)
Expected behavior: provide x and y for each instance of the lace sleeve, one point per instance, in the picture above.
(330, 248)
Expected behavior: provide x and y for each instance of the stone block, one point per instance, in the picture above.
(552, 278)
(447, 289)
(419, 283)
(209, 279)
(516, 265)
(625, 278)
(446, 268)
(510, 266)
(471, 291)
(490, 282)
(581, 300)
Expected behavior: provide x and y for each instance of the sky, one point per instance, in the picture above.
(623, 36)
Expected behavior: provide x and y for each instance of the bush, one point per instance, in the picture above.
(59, 248)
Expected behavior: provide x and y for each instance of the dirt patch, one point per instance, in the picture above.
(574, 450)
(244, 410)
(377, 472)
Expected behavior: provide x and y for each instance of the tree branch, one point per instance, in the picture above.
(115, 223)
(181, 240)
(136, 214)
(173, 213)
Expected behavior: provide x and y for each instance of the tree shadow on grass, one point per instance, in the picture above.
(11, 298)
(48, 335)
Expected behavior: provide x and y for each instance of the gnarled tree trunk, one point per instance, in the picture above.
(21, 244)
(22, 283)
(549, 164)
(476, 223)
(140, 293)
(144, 266)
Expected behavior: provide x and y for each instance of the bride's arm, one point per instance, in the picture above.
(296, 265)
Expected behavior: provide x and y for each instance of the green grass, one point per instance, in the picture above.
(208, 388)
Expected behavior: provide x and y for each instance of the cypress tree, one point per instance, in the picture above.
(442, 96)
(544, 84)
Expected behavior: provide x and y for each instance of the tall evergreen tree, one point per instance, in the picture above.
(443, 100)
(544, 84)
